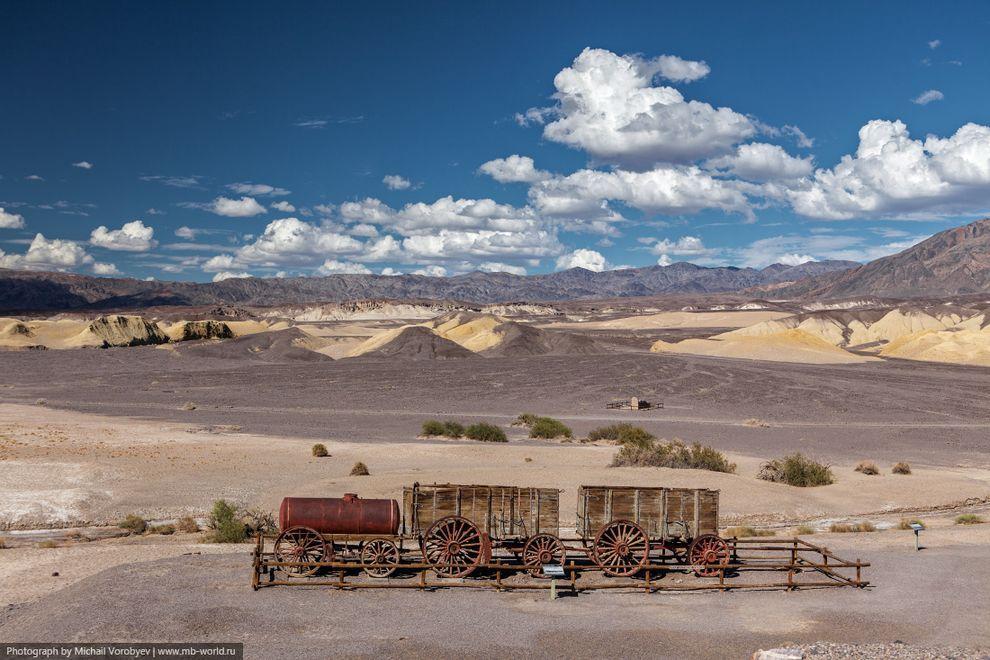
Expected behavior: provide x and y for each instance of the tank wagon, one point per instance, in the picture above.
(457, 528)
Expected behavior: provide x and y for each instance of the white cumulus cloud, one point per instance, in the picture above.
(134, 236)
(84, 165)
(245, 207)
(284, 207)
(257, 189)
(396, 182)
(514, 169)
(928, 96)
(105, 269)
(45, 254)
(498, 267)
(227, 275)
(609, 107)
(334, 267)
(582, 258)
(763, 162)
(10, 220)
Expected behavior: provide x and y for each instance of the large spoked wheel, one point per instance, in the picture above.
(621, 548)
(304, 545)
(540, 550)
(382, 552)
(708, 555)
(454, 546)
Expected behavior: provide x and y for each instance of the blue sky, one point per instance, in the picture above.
(199, 141)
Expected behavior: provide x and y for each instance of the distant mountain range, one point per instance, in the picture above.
(950, 263)
(43, 291)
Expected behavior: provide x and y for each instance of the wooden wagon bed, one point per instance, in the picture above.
(663, 513)
(502, 512)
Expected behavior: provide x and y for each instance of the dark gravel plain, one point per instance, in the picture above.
(933, 414)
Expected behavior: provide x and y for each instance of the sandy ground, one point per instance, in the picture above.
(918, 598)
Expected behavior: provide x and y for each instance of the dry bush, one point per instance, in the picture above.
(744, 531)
(757, 423)
(188, 405)
(134, 524)
(41, 402)
(867, 467)
(47, 544)
(907, 522)
(796, 470)
(164, 530)
(864, 526)
(624, 434)
(3, 544)
(804, 530)
(187, 525)
(525, 419)
(484, 432)
(968, 519)
(320, 450)
(259, 520)
(673, 454)
(528, 459)
(548, 428)
(901, 468)
(360, 470)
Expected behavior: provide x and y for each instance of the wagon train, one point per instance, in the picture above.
(510, 537)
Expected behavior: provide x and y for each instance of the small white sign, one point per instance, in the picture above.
(553, 570)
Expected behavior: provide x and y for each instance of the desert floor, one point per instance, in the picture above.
(88, 436)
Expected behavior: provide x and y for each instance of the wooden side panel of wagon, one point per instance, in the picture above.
(499, 511)
(663, 513)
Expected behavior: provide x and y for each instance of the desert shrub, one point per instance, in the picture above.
(359, 470)
(47, 544)
(842, 528)
(432, 427)
(320, 450)
(796, 470)
(164, 530)
(549, 428)
(41, 402)
(525, 419)
(259, 520)
(744, 531)
(907, 522)
(804, 530)
(452, 429)
(484, 432)
(968, 519)
(673, 454)
(226, 524)
(528, 459)
(867, 467)
(756, 423)
(624, 434)
(187, 525)
(3, 544)
(188, 405)
(901, 468)
(133, 524)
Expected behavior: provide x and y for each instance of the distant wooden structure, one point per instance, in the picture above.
(633, 403)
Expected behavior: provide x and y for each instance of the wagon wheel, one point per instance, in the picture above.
(708, 555)
(621, 548)
(302, 544)
(542, 549)
(380, 551)
(454, 546)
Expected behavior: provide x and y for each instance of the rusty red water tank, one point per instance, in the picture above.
(340, 515)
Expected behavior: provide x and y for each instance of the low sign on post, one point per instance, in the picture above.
(553, 571)
(917, 527)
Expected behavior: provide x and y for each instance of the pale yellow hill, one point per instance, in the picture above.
(964, 343)
(790, 345)
(375, 342)
(661, 320)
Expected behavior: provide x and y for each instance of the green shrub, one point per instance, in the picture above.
(226, 524)
(452, 429)
(901, 468)
(133, 524)
(797, 470)
(484, 432)
(360, 470)
(744, 531)
(673, 454)
(868, 468)
(548, 428)
(187, 525)
(432, 427)
(320, 450)
(968, 519)
(907, 522)
(625, 434)
(804, 530)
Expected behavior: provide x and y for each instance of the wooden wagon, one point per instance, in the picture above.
(459, 525)
(627, 526)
